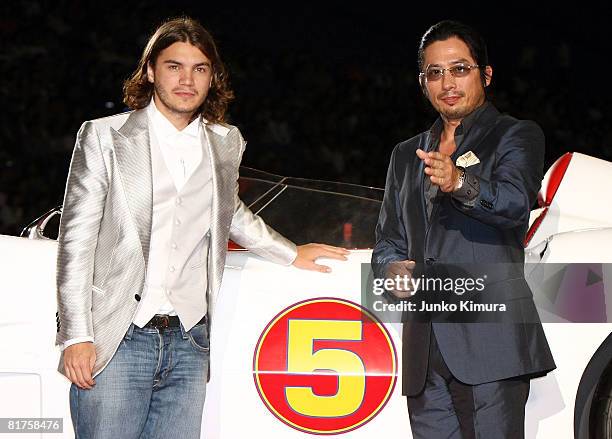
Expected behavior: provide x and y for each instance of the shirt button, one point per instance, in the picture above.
(174, 246)
(169, 293)
(178, 201)
(171, 268)
(177, 222)
(137, 297)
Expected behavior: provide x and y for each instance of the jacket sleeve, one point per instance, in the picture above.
(83, 206)
(251, 232)
(506, 199)
(391, 242)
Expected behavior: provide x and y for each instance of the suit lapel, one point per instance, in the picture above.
(133, 152)
(421, 173)
(478, 132)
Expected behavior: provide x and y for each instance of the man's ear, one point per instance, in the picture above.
(150, 74)
(488, 71)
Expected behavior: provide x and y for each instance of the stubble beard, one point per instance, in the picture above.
(459, 111)
(165, 99)
(456, 113)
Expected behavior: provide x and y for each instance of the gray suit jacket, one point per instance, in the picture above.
(105, 228)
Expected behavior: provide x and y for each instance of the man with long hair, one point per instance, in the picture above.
(151, 200)
(458, 197)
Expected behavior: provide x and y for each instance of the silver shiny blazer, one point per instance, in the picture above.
(105, 228)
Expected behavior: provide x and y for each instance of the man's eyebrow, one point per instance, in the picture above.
(454, 61)
(172, 61)
(461, 60)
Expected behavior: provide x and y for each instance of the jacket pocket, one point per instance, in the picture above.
(197, 265)
(97, 297)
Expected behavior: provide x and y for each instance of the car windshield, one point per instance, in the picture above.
(312, 210)
(302, 210)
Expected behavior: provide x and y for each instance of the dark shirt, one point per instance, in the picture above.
(431, 190)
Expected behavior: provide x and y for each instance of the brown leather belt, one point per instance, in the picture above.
(162, 321)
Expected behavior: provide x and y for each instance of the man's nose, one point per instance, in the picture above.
(186, 77)
(448, 81)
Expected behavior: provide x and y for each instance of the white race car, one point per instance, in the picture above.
(294, 354)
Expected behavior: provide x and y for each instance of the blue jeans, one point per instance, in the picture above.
(154, 387)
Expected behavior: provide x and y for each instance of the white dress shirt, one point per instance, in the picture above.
(182, 150)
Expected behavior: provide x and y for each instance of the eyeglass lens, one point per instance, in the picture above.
(458, 71)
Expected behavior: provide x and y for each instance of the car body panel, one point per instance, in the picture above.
(254, 292)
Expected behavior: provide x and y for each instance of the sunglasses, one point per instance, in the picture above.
(433, 73)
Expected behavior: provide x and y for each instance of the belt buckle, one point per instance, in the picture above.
(160, 322)
(164, 322)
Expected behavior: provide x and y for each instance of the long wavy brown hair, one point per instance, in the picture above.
(137, 90)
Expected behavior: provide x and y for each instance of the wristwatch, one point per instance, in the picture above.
(461, 178)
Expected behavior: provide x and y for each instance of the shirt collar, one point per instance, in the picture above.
(165, 129)
(466, 124)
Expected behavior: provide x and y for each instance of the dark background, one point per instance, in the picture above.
(323, 91)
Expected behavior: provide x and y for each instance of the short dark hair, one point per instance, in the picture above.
(137, 90)
(449, 28)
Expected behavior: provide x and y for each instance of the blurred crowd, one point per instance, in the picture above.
(302, 113)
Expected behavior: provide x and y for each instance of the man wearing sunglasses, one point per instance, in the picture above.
(460, 194)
